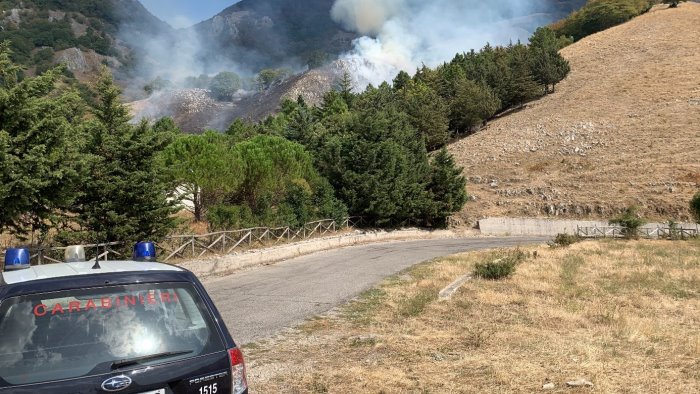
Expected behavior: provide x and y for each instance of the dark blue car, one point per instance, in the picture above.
(113, 327)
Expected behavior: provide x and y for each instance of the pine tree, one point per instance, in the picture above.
(428, 111)
(547, 65)
(204, 167)
(40, 144)
(522, 86)
(447, 188)
(126, 196)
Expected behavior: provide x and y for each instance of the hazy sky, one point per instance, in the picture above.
(184, 13)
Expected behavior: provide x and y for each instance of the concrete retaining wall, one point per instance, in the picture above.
(525, 226)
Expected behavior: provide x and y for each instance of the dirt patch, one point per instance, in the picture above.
(621, 130)
(622, 315)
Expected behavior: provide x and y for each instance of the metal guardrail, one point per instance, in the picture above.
(644, 232)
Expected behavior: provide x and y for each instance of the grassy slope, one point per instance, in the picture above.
(624, 315)
(622, 129)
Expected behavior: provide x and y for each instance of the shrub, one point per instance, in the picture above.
(630, 223)
(230, 217)
(695, 207)
(225, 85)
(501, 265)
(565, 240)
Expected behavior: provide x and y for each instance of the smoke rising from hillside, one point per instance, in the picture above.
(404, 34)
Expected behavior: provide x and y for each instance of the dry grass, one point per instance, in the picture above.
(624, 315)
(623, 129)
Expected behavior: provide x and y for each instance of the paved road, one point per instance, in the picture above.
(259, 303)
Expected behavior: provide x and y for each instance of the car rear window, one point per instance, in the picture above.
(68, 334)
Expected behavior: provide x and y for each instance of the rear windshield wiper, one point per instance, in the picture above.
(137, 360)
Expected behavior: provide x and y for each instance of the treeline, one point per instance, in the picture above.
(372, 147)
(598, 15)
(226, 84)
(81, 170)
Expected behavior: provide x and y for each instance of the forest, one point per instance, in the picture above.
(78, 171)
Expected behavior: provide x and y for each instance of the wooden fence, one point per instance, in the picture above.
(195, 246)
(644, 232)
(225, 242)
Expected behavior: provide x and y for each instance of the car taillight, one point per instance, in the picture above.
(237, 371)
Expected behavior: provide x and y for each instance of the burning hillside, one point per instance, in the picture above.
(194, 110)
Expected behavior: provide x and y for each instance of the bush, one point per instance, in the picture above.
(502, 265)
(565, 240)
(695, 207)
(225, 85)
(630, 223)
(230, 217)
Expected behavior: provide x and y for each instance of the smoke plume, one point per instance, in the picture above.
(405, 34)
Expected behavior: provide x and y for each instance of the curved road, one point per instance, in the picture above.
(261, 302)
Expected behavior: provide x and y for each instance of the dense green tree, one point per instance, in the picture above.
(40, 145)
(126, 195)
(345, 88)
(225, 85)
(428, 111)
(547, 65)
(241, 130)
(695, 207)
(401, 80)
(472, 105)
(381, 168)
(522, 86)
(204, 168)
(446, 187)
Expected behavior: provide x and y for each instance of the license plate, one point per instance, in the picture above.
(161, 391)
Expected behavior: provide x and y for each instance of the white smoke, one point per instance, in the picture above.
(405, 34)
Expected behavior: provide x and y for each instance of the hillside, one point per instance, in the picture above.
(83, 35)
(273, 33)
(622, 129)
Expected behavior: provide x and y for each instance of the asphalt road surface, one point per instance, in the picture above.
(261, 302)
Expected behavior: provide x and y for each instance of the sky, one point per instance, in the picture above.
(185, 13)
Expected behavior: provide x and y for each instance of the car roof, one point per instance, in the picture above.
(83, 268)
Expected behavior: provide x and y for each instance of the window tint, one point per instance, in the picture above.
(80, 332)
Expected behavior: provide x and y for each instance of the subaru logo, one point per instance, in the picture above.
(116, 383)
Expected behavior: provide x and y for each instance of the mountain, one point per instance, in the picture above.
(83, 34)
(272, 33)
(621, 130)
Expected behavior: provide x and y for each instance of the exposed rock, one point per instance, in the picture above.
(579, 383)
(74, 59)
(56, 15)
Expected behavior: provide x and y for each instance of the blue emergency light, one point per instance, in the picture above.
(16, 259)
(145, 251)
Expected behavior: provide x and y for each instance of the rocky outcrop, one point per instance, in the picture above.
(73, 59)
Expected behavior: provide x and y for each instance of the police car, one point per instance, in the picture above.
(112, 326)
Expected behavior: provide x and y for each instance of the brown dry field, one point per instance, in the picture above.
(623, 129)
(623, 315)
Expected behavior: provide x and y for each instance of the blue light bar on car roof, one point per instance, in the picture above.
(145, 251)
(16, 259)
